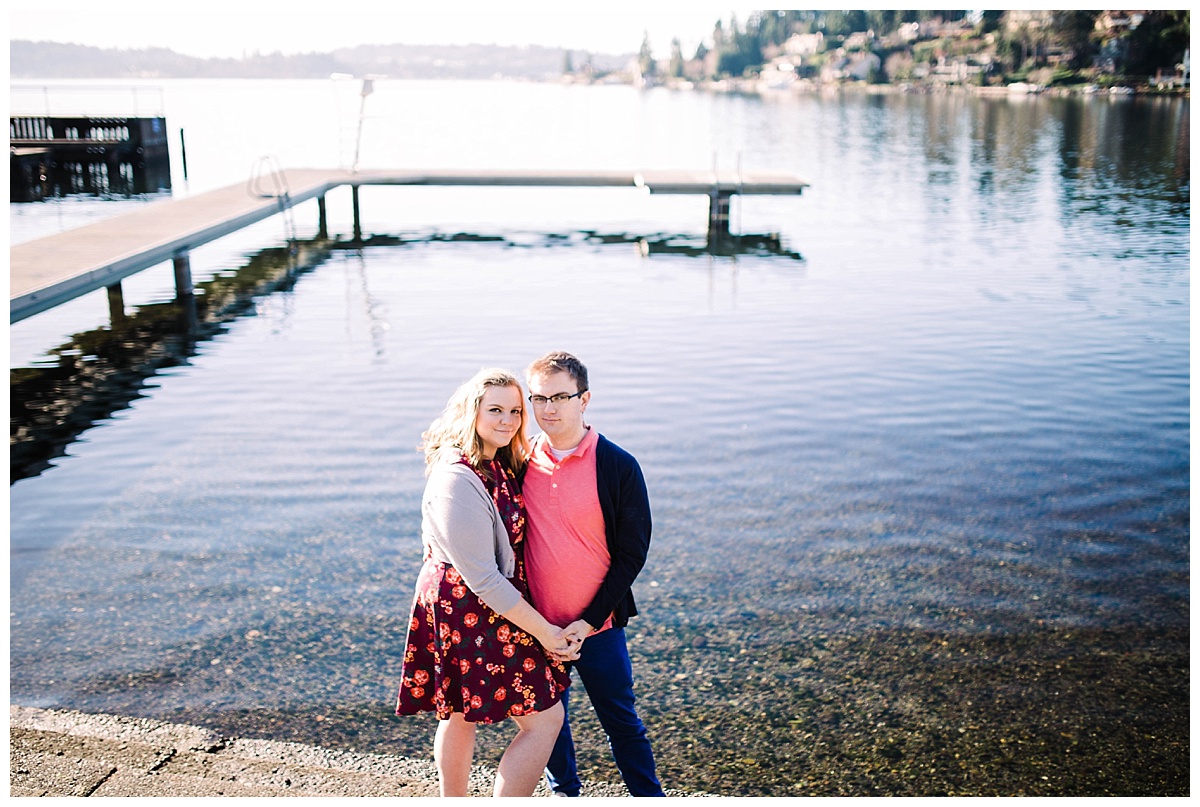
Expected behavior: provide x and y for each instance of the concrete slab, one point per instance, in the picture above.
(57, 774)
(62, 753)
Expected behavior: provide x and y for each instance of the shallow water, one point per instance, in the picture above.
(964, 408)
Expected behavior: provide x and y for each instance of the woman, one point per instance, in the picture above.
(477, 651)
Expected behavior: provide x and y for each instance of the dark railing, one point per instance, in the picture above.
(61, 156)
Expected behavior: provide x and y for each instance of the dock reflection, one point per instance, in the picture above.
(764, 244)
(102, 371)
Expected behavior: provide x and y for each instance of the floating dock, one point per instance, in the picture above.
(49, 271)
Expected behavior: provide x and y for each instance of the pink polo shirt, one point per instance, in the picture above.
(566, 554)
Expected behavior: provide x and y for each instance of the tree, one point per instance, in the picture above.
(1158, 42)
(568, 67)
(646, 56)
(676, 68)
(883, 22)
(990, 21)
(774, 27)
(1025, 41)
(1074, 31)
(741, 51)
(837, 23)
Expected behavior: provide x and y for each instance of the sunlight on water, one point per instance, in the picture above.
(965, 408)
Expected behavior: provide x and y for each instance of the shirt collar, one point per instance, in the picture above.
(586, 446)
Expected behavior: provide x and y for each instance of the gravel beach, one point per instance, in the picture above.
(1055, 712)
(61, 753)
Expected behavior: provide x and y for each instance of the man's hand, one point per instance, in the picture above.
(578, 630)
(569, 640)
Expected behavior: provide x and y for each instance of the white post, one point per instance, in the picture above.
(368, 86)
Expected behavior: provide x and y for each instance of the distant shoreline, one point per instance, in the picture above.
(722, 87)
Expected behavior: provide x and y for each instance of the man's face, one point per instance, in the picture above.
(558, 419)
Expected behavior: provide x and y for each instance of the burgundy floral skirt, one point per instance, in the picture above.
(461, 656)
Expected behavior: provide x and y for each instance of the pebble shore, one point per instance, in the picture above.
(731, 710)
(63, 753)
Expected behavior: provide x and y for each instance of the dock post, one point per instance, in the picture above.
(718, 216)
(322, 218)
(357, 219)
(183, 276)
(116, 303)
(183, 154)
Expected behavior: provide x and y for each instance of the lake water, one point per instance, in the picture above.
(958, 401)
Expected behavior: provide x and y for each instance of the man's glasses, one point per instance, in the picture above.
(558, 400)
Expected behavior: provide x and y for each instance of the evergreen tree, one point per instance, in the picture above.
(837, 23)
(774, 28)
(1073, 30)
(989, 21)
(1158, 42)
(676, 68)
(646, 56)
(883, 22)
(742, 51)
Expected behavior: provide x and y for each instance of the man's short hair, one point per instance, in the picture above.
(559, 361)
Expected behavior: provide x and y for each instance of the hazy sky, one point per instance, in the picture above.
(234, 29)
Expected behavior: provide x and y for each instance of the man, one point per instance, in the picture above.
(588, 534)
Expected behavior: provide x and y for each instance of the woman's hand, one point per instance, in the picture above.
(563, 645)
(573, 636)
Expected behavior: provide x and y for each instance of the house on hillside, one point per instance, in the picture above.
(798, 46)
(851, 67)
(1022, 21)
(956, 70)
(908, 32)
(1114, 27)
(1118, 23)
(859, 40)
(936, 27)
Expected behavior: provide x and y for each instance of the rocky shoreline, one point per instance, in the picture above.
(62, 753)
(1053, 712)
(758, 87)
(760, 709)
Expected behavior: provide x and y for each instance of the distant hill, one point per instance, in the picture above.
(34, 60)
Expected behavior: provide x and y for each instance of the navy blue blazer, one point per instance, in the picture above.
(625, 504)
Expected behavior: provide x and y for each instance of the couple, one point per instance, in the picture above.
(563, 523)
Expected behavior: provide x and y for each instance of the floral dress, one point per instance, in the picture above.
(460, 655)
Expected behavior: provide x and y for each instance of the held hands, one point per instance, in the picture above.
(579, 629)
(568, 641)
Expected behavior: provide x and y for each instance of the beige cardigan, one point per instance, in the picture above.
(460, 525)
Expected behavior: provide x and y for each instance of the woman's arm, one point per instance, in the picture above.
(458, 520)
(549, 636)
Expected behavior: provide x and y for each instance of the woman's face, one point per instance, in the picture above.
(499, 418)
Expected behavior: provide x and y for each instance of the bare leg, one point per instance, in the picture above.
(525, 758)
(453, 749)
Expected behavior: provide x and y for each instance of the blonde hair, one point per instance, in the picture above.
(455, 427)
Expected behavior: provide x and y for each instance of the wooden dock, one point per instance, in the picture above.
(50, 271)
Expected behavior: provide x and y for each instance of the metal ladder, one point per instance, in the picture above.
(268, 181)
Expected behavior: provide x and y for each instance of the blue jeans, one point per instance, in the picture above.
(607, 675)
